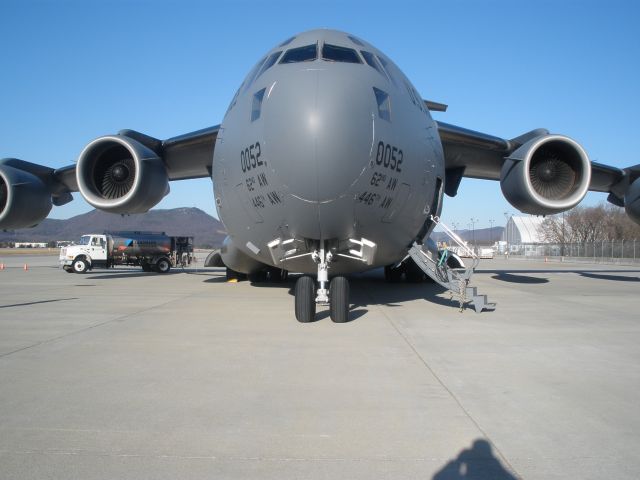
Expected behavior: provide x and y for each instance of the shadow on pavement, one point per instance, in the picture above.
(475, 463)
(512, 278)
(615, 278)
(35, 303)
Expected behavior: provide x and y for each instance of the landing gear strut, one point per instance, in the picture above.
(334, 293)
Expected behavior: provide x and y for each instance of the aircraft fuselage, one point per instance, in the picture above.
(318, 148)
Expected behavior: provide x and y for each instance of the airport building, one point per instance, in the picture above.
(523, 235)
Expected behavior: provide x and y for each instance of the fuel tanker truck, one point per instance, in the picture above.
(153, 251)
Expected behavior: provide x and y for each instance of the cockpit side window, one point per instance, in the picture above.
(273, 58)
(371, 61)
(308, 53)
(335, 53)
(386, 64)
(234, 100)
(252, 75)
(256, 105)
(413, 95)
(384, 104)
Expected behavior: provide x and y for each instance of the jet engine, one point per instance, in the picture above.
(24, 199)
(120, 175)
(632, 201)
(548, 174)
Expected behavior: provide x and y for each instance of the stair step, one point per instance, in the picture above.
(453, 279)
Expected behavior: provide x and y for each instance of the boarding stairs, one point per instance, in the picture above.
(455, 280)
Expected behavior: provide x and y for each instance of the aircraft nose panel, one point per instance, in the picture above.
(317, 152)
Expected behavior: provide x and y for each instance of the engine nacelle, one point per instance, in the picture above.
(24, 199)
(120, 175)
(632, 201)
(548, 174)
(237, 260)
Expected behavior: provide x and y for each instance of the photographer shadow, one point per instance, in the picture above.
(475, 463)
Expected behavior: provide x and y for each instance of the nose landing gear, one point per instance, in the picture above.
(336, 296)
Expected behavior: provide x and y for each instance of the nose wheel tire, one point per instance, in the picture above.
(339, 299)
(305, 294)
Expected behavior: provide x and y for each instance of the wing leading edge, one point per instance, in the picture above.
(473, 154)
(123, 173)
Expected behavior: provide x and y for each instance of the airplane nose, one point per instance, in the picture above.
(316, 147)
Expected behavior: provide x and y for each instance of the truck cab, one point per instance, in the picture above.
(91, 251)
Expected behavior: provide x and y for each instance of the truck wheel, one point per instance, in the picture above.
(80, 266)
(163, 265)
(68, 269)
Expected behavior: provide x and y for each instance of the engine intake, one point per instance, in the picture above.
(24, 199)
(120, 175)
(548, 174)
(632, 201)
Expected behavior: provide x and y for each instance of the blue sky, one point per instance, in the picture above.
(71, 71)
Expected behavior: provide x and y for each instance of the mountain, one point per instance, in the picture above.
(207, 231)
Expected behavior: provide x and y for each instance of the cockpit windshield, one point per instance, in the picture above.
(335, 53)
(84, 240)
(308, 53)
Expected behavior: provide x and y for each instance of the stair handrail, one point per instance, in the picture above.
(454, 236)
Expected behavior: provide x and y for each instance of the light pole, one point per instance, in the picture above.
(473, 231)
(562, 247)
(491, 222)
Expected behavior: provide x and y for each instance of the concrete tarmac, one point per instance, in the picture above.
(122, 374)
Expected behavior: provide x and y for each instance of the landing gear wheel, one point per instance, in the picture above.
(414, 273)
(258, 277)
(305, 294)
(392, 275)
(277, 274)
(163, 265)
(80, 266)
(339, 299)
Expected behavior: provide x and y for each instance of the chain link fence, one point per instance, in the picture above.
(619, 251)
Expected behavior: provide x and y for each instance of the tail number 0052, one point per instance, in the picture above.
(250, 157)
(389, 156)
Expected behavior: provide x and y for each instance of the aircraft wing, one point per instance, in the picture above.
(478, 155)
(185, 156)
(132, 175)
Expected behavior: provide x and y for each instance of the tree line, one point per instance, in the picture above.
(601, 223)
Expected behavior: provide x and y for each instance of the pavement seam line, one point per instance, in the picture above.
(90, 327)
(451, 394)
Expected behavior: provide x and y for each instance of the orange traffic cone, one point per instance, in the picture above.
(26, 267)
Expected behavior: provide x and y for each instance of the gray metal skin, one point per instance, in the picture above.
(320, 182)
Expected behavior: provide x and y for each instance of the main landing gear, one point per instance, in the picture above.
(336, 296)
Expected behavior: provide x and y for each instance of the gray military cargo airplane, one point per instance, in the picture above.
(326, 163)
